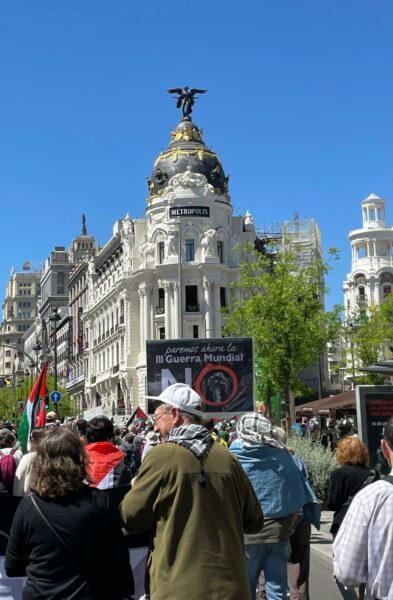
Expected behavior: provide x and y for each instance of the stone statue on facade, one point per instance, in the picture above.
(185, 99)
(208, 242)
(171, 244)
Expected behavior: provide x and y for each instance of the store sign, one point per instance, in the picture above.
(189, 211)
(374, 406)
(219, 370)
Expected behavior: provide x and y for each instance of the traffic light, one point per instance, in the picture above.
(13, 417)
(46, 402)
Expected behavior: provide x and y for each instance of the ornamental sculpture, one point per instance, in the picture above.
(186, 99)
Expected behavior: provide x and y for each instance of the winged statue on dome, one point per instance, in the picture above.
(186, 99)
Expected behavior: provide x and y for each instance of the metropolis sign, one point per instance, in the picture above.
(189, 211)
(220, 370)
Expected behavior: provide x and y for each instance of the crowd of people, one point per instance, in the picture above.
(224, 509)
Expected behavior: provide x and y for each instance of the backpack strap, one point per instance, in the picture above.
(43, 517)
(388, 478)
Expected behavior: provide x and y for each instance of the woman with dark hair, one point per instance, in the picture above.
(66, 537)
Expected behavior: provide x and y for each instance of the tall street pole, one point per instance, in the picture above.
(180, 316)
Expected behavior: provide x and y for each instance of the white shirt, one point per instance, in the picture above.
(363, 548)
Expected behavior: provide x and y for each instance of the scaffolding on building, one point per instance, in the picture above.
(302, 237)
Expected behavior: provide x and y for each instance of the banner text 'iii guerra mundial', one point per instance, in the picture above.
(220, 370)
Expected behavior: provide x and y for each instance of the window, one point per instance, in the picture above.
(190, 250)
(195, 331)
(223, 297)
(60, 283)
(7, 365)
(161, 252)
(161, 301)
(8, 352)
(192, 298)
(161, 333)
(362, 252)
(220, 251)
(387, 289)
(371, 214)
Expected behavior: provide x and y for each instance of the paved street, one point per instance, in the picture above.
(322, 586)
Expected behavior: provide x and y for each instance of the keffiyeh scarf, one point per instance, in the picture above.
(197, 440)
(253, 428)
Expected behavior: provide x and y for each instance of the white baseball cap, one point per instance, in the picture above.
(181, 396)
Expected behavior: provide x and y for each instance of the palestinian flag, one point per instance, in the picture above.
(28, 421)
(137, 414)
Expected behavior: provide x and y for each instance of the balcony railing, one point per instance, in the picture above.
(361, 298)
(160, 310)
(192, 307)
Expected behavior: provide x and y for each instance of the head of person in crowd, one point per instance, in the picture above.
(36, 436)
(80, 426)
(7, 439)
(51, 416)
(6, 425)
(152, 438)
(177, 405)
(351, 451)
(60, 466)
(387, 442)
(209, 425)
(99, 429)
(254, 428)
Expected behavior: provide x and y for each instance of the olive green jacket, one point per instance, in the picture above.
(196, 532)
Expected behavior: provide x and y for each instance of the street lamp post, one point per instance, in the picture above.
(350, 329)
(36, 348)
(54, 318)
(180, 307)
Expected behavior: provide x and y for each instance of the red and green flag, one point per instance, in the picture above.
(32, 410)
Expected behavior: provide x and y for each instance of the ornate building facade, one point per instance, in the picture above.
(165, 276)
(371, 276)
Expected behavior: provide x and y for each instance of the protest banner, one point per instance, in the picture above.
(219, 370)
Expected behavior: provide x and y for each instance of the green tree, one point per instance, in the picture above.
(280, 306)
(10, 398)
(371, 335)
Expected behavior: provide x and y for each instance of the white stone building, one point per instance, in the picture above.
(138, 289)
(371, 277)
(19, 312)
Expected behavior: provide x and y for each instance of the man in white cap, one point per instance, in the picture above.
(196, 501)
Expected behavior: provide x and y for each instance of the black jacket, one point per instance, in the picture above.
(87, 521)
(345, 482)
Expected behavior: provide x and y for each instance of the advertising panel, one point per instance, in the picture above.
(219, 370)
(374, 405)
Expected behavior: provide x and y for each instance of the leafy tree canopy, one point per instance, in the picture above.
(280, 304)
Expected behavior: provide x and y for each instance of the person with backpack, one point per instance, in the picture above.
(363, 547)
(9, 460)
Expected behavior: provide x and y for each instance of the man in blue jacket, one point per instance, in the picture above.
(281, 492)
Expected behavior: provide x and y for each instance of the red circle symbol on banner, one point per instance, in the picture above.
(208, 369)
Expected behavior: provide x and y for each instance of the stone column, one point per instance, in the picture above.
(147, 312)
(167, 288)
(207, 285)
(141, 294)
(217, 310)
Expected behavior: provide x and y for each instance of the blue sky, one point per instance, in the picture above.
(299, 108)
